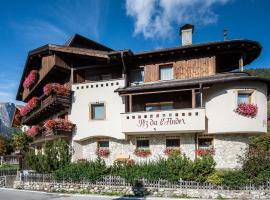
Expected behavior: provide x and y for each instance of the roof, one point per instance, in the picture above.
(206, 80)
(78, 40)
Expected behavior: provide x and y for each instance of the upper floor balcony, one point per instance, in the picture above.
(164, 121)
(46, 106)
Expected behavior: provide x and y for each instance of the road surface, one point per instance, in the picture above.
(11, 194)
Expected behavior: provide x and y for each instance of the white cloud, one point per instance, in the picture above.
(155, 18)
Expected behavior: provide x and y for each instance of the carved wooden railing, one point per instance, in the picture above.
(47, 107)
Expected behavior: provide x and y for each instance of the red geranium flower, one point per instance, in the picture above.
(172, 151)
(247, 109)
(103, 152)
(55, 88)
(59, 124)
(31, 104)
(142, 152)
(30, 79)
(206, 151)
(33, 131)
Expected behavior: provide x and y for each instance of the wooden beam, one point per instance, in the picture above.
(130, 103)
(201, 95)
(193, 98)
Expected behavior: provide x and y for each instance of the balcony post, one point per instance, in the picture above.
(241, 63)
(130, 103)
(193, 98)
(201, 95)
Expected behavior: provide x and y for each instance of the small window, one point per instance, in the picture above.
(143, 143)
(166, 72)
(205, 142)
(137, 76)
(103, 144)
(173, 142)
(97, 111)
(243, 97)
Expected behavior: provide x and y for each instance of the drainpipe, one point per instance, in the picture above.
(196, 145)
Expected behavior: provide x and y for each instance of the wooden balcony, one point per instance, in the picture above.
(47, 107)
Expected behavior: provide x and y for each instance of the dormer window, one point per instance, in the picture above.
(137, 76)
(166, 72)
(244, 97)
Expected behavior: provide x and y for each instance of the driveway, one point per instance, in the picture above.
(12, 194)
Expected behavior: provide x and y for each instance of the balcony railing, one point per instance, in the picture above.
(169, 121)
(47, 107)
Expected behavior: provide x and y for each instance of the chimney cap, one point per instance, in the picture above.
(186, 27)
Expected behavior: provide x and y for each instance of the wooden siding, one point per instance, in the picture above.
(47, 63)
(183, 69)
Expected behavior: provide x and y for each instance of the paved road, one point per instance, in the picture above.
(10, 194)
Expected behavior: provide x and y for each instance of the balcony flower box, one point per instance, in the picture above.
(172, 151)
(59, 125)
(103, 152)
(247, 109)
(142, 152)
(33, 131)
(205, 151)
(31, 79)
(31, 105)
(55, 88)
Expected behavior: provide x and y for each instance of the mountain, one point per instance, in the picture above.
(263, 72)
(6, 114)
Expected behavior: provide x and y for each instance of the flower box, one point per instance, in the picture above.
(172, 151)
(103, 152)
(142, 152)
(55, 88)
(31, 104)
(247, 110)
(31, 79)
(33, 131)
(58, 125)
(206, 151)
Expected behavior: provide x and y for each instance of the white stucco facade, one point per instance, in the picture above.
(217, 119)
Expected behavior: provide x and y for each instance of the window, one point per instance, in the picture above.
(166, 72)
(158, 106)
(205, 142)
(173, 142)
(244, 97)
(97, 111)
(137, 76)
(142, 143)
(103, 144)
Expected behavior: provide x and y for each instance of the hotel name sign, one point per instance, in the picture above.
(170, 121)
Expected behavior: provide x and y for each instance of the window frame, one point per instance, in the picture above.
(136, 70)
(173, 147)
(98, 144)
(163, 67)
(244, 92)
(142, 139)
(91, 105)
(211, 145)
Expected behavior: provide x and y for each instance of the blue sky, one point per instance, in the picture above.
(123, 24)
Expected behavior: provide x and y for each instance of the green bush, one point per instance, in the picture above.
(82, 170)
(235, 179)
(216, 177)
(256, 162)
(203, 168)
(56, 155)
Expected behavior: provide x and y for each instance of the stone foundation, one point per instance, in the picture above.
(128, 190)
(228, 148)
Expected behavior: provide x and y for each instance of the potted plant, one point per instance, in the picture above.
(247, 110)
(55, 88)
(31, 79)
(31, 105)
(205, 151)
(140, 152)
(172, 151)
(33, 131)
(102, 152)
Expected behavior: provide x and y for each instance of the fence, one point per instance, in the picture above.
(8, 172)
(118, 181)
(13, 160)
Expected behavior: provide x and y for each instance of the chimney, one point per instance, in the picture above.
(186, 33)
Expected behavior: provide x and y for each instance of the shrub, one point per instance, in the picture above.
(20, 140)
(3, 145)
(216, 177)
(256, 161)
(235, 179)
(83, 170)
(203, 167)
(56, 155)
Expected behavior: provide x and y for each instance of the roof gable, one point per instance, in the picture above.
(83, 42)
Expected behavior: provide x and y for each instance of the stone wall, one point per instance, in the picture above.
(228, 148)
(128, 190)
